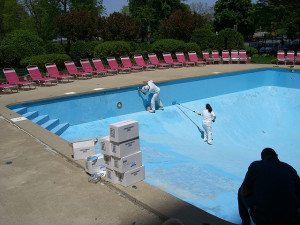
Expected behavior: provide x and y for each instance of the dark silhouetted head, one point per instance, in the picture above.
(268, 153)
(208, 107)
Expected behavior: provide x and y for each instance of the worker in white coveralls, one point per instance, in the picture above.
(153, 89)
(208, 118)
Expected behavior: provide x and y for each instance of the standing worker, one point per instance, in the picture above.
(270, 192)
(208, 117)
(153, 89)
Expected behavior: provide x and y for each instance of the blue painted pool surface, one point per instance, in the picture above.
(255, 109)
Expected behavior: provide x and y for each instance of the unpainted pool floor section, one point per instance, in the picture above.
(42, 187)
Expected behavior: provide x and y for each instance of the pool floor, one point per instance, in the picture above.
(178, 161)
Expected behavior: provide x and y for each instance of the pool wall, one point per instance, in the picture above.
(90, 107)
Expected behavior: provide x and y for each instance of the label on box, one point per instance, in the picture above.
(125, 148)
(123, 131)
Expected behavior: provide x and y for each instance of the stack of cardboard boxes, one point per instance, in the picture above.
(122, 155)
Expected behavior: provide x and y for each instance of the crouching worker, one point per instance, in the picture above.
(153, 89)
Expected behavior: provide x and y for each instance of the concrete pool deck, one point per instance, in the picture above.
(43, 183)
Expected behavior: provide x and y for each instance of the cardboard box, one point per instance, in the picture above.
(125, 148)
(112, 176)
(94, 164)
(83, 149)
(132, 176)
(105, 146)
(127, 163)
(123, 131)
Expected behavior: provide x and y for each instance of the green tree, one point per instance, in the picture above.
(228, 39)
(94, 6)
(229, 13)
(180, 24)
(279, 17)
(12, 17)
(43, 13)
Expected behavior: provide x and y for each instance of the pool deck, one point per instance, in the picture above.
(41, 184)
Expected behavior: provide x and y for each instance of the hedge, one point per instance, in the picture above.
(112, 48)
(18, 45)
(205, 38)
(192, 46)
(54, 47)
(168, 45)
(83, 49)
(41, 60)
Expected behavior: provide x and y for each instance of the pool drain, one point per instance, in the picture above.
(119, 105)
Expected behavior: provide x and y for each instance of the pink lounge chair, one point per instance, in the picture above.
(73, 70)
(234, 56)
(226, 56)
(37, 77)
(297, 58)
(290, 57)
(54, 72)
(13, 79)
(127, 64)
(139, 60)
(100, 68)
(281, 57)
(5, 87)
(194, 58)
(206, 57)
(216, 57)
(243, 56)
(181, 58)
(113, 64)
(154, 61)
(169, 60)
(87, 68)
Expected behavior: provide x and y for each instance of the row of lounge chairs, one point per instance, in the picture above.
(289, 57)
(97, 68)
(226, 57)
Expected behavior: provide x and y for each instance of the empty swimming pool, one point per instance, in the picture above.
(255, 109)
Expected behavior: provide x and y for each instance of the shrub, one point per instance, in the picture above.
(140, 48)
(20, 44)
(192, 46)
(168, 45)
(83, 50)
(229, 39)
(251, 51)
(112, 48)
(263, 59)
(9, 56)
(41, 60)
(54, 47)
(205, 38)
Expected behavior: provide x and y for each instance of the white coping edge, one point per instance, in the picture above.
(70, 93)
(98, 89)
(18, 119)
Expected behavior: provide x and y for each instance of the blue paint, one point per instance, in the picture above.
(255, 109)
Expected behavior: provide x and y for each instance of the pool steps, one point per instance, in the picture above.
(44, 121)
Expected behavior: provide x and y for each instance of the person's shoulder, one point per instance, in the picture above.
(255, 163)
(287, 166)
